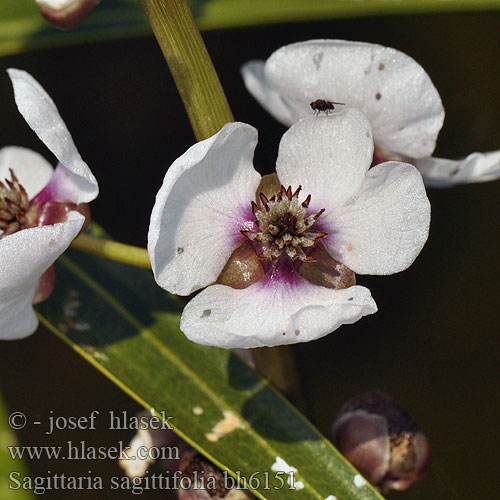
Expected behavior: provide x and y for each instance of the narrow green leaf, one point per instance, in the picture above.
(22, 27)
(119, 320)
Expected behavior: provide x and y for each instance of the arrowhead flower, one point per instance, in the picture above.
(278, 254)
(389, 87)
(39, 207)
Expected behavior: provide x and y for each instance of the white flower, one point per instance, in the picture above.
(38, 219)
(374, 222)
(389, 87)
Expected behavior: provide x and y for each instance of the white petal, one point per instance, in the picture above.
(327, 155)
(24, 257)
(200, 208)
(392, 89)
(267, 96)
(477, 167)
(42, 116)
(264, 315)
(384, 227)
(32, 169)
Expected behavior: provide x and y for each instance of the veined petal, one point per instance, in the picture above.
(327, 155)
(200, 208)
(42, 116)
(24, 257)
(271, 314)
(393, 90)
(477, 167)
(384, 227)
(267, 96)
(32, 169)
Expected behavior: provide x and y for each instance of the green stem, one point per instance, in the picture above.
(190, 64)
(113, 250)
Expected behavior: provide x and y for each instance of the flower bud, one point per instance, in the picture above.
(66, 14)
(326, 271)
(202, 480)
(242, 269)
(382, 441)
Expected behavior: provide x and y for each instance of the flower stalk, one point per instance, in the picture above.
(119, 252)
(190, 64)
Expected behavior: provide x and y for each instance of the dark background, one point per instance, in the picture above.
(434, 343)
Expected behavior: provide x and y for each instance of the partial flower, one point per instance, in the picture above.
(382, 441)
(66, 14)
(389, 87)
(278, 254)
(41, 209)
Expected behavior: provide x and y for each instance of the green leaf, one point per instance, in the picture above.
(22, 27)
(117, 318)
(7, 463)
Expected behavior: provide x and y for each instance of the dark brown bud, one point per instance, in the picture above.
(66, 14)
(382, 441)
(326, 271)
(242, 269)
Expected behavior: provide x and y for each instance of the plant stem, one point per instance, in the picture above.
(190, 64)
(113, 250)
